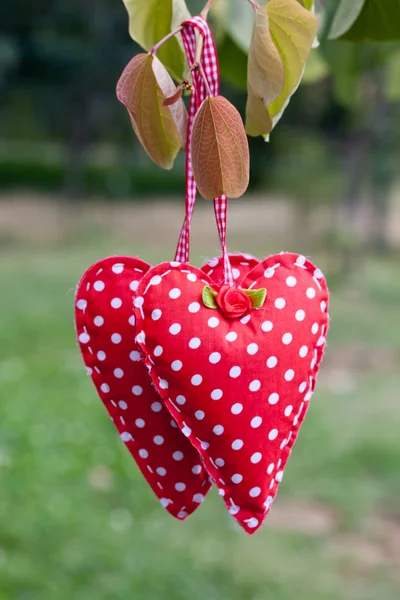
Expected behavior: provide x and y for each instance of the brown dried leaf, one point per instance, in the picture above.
(142, 88)
(220, 150)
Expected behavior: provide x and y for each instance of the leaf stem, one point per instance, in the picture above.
(202, 73)
(165, 39)
(255, 5)
(206, 9)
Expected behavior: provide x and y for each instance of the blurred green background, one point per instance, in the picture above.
(76, 519)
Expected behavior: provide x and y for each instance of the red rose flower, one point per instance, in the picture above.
(233, 302)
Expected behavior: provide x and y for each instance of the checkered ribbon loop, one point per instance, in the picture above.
(209, 63)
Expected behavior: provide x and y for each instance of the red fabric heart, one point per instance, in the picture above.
(105, 324)
(239, 389)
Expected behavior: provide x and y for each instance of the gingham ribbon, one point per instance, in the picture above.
(209, 62)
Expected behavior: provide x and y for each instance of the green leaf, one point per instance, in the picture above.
(142, 88)
(257, 297)
(347, 13)
(317, 69)
(393, 78)
(377, 21)
(236, 17)
(209, 297)
(232, 63)
(308, 4)
(149, 22)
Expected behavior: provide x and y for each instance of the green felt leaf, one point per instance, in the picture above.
(257, 297)
(150, 21)
(347, 13)
(209, 297)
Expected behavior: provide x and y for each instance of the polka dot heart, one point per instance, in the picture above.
(106, 331)
(243, 385)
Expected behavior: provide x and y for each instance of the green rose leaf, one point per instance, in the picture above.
(367, 21)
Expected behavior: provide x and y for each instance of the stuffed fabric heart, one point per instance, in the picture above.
(105, 324)
(238, 380)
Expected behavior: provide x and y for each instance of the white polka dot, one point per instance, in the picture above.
(132, 320)
(177, 455)
(180, 400)
(315, 328)
(135, 356)
(256, 458)
(218, 430)
(98, 321)
(237, 444)
(199, 414)
(158, 350)
(213, 322)
(156, 314)
(194, 307)
(255, 385)
(118, 373)
(321, 341)
(318, 274)
(252, 349)
(84, 338)
(101, 355)
(116, 338)
(323, 306)
(140, 338)
(280, 303)
(284, 443)
(99, 286)
(89, 370)
(196, 471)
(301, 261)
(81, 304)
(105, 388)
(215, 357)
(302, 387)
(138, 302)
(235, 372)
(279, 476)
(198, 498)
(140, 423)
(196, 380)
(143, 453)
(180, 487)
(165, 502)
(273, 434)
(289, 375)
(158, 440)
(237, 408)
(118, 268)
(273, 399)
(237, 478)
(156, 406)
(256, 422)
(268, 273)
(308, 396)
(253, 523)
(291, 281)
(303, 351)
(192, 277)
(116, 302)
(255, 492)
(175, 264)
(194, 343)
(175, 293)
(163, 383)
(219, 462)
(134, 285)
(288, 411)
(244, 320)
(123, 405)
(287, 339)
(176, 365)
(175, 329)
(313, 363)
(272, 362)
(216, 394)
(231, 336)
(125, 436)
(137, 390)
(161, 471)
(311, 293)
(156, 280)
(300, 315)
(233, 510)
(235, 273)
(267, 326)
(271, 467)
(173, 424)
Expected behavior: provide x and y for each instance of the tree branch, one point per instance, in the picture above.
(165, 39)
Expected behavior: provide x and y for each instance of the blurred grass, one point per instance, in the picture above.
(77, 522)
